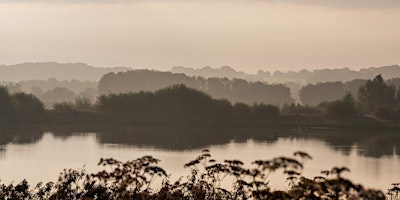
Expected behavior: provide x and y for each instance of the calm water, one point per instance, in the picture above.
(39, 155)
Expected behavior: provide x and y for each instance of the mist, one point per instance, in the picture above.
(248, 35)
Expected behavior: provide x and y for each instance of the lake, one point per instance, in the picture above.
(40, 155)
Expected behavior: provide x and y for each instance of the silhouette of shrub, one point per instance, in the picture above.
(343, 108)
(242, 110)
(134, 180)
(63, 107)
(299, 109)
(262, 111)
(383, 112)
(20, 107)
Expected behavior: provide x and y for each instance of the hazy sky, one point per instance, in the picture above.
(245, 34)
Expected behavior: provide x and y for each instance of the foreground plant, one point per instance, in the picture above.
(208, 179)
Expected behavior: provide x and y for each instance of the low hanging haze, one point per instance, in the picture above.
(245, 34)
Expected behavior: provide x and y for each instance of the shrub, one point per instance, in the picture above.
(133, 180)
(343, 108)
(262, 111)
(384, 113)
(299, 109)
(63, 107)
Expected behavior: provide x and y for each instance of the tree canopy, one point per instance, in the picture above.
(376, 93)
(16, 107)
(234, 90)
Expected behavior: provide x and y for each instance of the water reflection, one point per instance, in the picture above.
(40, 153)
(179, 138)
(20, 134)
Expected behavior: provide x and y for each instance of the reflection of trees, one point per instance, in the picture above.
(180, 138)
(196, 137)
(337, 140)
(20, 134)
(372, 144)
(380, 145)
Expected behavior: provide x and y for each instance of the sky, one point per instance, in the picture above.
(245, 34)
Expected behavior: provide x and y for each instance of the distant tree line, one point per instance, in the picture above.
(60, 71)
(234, 90)
(52, 90)
(376, 99)
(303, 76)
(176, 103)
(314, 94)
(180, 103)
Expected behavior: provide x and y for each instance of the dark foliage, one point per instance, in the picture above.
(299, 109)
(344, 108)
(235, 90)
(20, 107)
(135, 179)
(179, 103)
(313, 94)
(375, 93)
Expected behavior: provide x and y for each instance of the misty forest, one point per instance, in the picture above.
(189, 108)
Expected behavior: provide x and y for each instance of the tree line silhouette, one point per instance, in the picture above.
(182, 104)
(234, 90)
(51, 91)
(314, 94)
(374, 98)
(179, 103)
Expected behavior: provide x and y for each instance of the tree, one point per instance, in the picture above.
(59, 94)
(242, 110)
(6, 105)
(28, 107)
(313, 94)
(376, 93)
(19, 107)
(262, 111)
(343, 108)
(83, 104)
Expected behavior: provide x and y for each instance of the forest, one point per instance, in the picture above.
(377, 102)
(234, 90)
(305, 87)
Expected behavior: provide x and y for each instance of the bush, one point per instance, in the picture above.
(20, 107)
(83, 104)
(262, 111)
(242, 110)
(343, 108)
(384, 113)
(63, 107)
(299, 109)
(134, 180)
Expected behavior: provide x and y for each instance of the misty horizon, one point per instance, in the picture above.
(248, 35)
(170, 68)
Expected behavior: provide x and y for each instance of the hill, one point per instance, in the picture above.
(60, 71)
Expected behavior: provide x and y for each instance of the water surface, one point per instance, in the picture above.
(40, 156)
